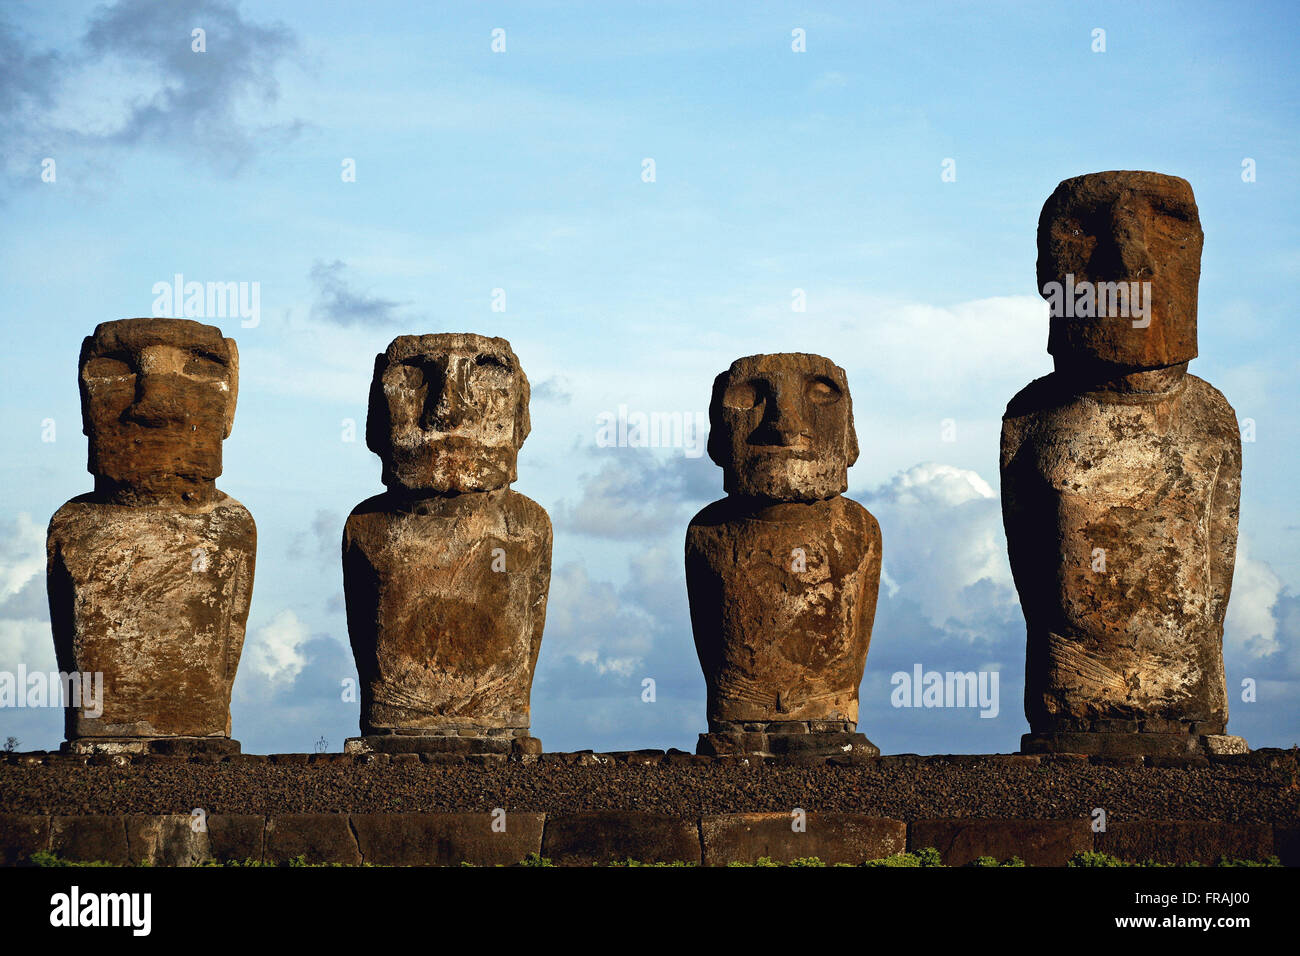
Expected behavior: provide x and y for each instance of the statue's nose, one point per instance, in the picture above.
(448, 402)
(1126, 253)
(783, 422)
(156, 400)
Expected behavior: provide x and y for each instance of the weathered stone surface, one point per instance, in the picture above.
(1120, 485)
(1037, 842)
(821, 743)
(1186, 841)
(167, 840)
(236, 837)
(1122, 226)
(448, 413)
(150, 575)
(157, 399)
(21, 835)
(600, 837)
(831, 837)
(783, 573)
(90, 838)
(1113, 744)
(316, 837)
(446, 574)
(1222, 745)
(214, 748)
(447, 839)
(412, 745)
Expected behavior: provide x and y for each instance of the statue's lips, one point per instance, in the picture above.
(457, 440)
(800, 452)
(135, 429)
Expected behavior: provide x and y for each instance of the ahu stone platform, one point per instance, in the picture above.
(651, 806)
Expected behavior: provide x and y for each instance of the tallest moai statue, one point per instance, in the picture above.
(150, 575)
(1120, 482)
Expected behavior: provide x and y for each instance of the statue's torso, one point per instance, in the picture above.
(782, 610)
(446, 604)
(156, 599)
(1111, 522)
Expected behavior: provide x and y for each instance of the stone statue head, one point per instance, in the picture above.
(448, 412)
(781, 427)
(157, 400)
(1132, 236)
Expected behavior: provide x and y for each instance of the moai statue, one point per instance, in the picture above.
(446, 573)
(1121, 477)
(150, 575)
(783, 573)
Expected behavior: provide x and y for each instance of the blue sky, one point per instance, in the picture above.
(522, 171)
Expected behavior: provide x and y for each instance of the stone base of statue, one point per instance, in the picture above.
(161, 746)
(786, 738)
(507, 741)
(1132, 738)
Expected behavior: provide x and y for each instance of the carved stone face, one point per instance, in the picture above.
(448, 412)
(157, 399)
(1123, 227)
(781, 427)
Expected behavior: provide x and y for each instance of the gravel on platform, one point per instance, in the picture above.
(1263, 787)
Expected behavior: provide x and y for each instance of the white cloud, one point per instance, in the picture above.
(637, 495)
(592, 623)
(1250, 628)
(26, 641)
(930, 485)
(22, 554)
(944, 547)
(276, 651)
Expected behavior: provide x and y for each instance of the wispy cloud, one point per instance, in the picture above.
(135, 78)
(339, 302)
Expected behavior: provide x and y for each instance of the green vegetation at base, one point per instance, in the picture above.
(46, 858)
(927, 857)
(1090, 858)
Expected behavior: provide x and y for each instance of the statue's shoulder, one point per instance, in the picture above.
(1209, 415)
(528, 510)
(1205, 395)
(856, 515)
(232, 509)
(68, 512)
(375, 504)
(713, 515)
(1040, 395)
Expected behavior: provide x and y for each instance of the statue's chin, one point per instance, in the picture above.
(793, 480)
(454, 473)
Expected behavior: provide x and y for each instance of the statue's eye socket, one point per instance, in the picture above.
(205, 367)
(106, 366)
(822, 391)
(405, 375)
(741, 395)
(491, 371)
